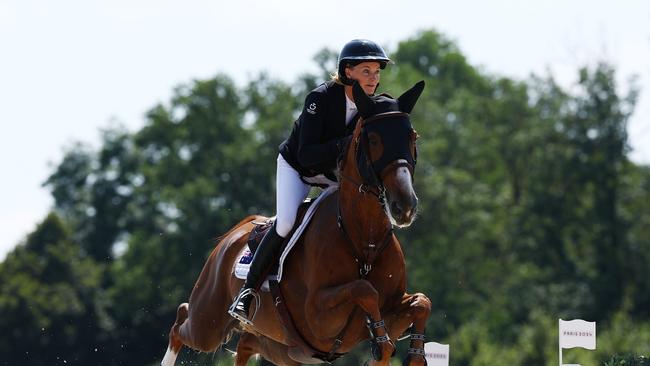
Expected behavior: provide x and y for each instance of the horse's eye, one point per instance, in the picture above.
(373, 139)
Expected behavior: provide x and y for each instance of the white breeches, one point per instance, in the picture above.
(290, 192)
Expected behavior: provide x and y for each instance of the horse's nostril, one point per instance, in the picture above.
(395, 208)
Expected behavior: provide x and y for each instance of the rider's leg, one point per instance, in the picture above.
(264, 256)
(290, 192)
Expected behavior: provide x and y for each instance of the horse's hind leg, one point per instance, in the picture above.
(175, 342)
(197, 331)
(204, 323)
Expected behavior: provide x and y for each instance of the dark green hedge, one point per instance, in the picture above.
(628, 360)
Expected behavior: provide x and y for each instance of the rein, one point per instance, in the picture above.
(364, 261)
(372, 250)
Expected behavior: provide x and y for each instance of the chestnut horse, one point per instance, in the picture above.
(345, 279)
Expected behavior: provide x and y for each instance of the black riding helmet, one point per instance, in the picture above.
(357, 51)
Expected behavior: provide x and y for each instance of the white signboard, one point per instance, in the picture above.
(577, 333)
(436, 354)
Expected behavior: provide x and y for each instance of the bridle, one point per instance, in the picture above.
(372, 174)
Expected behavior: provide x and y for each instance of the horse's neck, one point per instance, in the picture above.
(363, 217)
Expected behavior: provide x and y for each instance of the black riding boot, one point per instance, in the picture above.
(262, 260)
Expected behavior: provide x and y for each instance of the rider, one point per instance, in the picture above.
(308, 157)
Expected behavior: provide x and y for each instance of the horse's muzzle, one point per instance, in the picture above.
(404, 212)
(401, 200)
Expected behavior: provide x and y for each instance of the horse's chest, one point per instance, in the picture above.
(384, 276)
(386, 282)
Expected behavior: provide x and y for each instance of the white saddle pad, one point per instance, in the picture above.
(243, 262)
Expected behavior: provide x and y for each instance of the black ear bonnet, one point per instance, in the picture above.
(387, 136)
(384, 139)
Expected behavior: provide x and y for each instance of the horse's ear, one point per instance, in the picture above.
(363, 102)
(407, 100)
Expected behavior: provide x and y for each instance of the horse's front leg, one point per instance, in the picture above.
(329, 308)
(413, 309)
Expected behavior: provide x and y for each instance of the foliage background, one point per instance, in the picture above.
(530, 211)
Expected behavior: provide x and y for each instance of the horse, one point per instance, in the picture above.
(345, 280)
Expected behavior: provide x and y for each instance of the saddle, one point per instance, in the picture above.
(257, 234)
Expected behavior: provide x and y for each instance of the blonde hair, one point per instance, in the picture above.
(334, 76)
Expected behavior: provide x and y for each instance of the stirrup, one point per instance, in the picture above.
(243, 317)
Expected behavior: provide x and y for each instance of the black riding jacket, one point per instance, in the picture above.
(316, 139)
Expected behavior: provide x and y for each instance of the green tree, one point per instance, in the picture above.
(92, 190)
(54, 310)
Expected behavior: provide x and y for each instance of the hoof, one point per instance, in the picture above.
(375, 350)
(407, 361)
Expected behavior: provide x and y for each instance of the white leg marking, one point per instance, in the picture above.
(170, 358)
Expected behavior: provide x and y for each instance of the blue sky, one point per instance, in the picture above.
(71, 67)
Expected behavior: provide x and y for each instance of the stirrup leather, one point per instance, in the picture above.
(233, 311)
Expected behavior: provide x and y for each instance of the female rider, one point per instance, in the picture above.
(308, 157)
